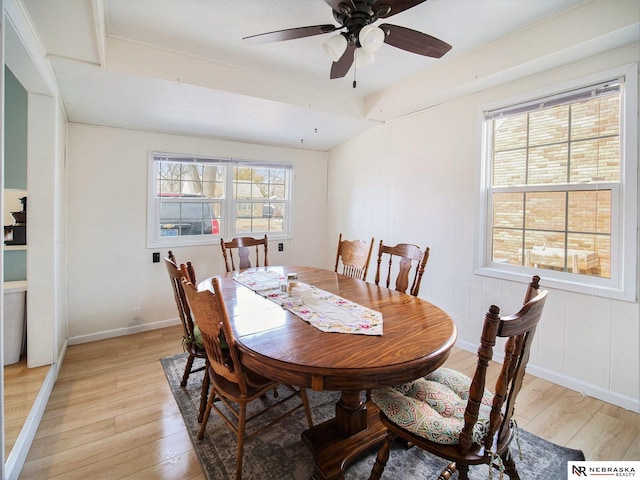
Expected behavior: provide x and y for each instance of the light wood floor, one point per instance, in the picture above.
(112, 415)
(21, 386)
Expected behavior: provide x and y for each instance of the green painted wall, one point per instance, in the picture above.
(15, 265)
(15, 133)
(15, 161)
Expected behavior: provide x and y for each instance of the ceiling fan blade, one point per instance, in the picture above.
(290, 34)
(335, 4)
(397, 6)
(414, 41)
(340, 68)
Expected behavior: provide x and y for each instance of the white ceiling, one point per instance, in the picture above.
(181, 65)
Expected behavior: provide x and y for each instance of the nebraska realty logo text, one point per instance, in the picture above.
(603, 469)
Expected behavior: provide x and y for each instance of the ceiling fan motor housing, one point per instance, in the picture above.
(365, 13)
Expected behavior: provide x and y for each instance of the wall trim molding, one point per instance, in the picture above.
(118, 332)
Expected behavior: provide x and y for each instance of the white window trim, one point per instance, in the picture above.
(624, 268)
(154, 240)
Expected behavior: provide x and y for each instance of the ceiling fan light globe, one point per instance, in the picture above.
(364, 58)
(335, 47)
(371, 38)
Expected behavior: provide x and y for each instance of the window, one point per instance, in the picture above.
(558, 177)
(194, 200)
(260, 194)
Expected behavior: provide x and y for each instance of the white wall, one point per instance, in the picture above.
(110, 271)
(416, 182)
(46, 319)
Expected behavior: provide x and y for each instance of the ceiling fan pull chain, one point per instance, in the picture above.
(355, 66)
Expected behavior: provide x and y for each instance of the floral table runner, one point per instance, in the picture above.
(324, 310)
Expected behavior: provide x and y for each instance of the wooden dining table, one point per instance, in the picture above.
(417, 338)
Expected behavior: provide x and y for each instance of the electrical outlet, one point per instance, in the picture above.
(280, 247)
(156, 257)
(135, 317)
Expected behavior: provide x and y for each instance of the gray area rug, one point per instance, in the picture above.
(278, 453)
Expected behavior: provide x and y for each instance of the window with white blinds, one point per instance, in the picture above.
(559, 179)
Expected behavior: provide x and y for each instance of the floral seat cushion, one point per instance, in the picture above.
(433, 406)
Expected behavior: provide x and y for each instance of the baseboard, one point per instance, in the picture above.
(18, 455)
(119, 332)
(584, 388)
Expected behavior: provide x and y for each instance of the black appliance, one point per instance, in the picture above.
(16, 234)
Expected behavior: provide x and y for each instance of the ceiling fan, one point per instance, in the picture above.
(359, 38)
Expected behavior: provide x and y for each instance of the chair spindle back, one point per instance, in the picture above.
(519, 330)
(210, 313)
(355, 256)
(242, 244)
(408, 256)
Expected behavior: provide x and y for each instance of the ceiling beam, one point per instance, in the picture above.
(591, 28)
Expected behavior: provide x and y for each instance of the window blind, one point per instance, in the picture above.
(586, 93)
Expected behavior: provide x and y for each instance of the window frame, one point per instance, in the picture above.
(624, 207)
(233, 201)
(227, 224)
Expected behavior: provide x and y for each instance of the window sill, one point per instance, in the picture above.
(601, 287)
(175, 242)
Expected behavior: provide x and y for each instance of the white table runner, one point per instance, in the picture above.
(324, 310)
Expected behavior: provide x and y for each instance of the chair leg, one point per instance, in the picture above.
(305, 404)
(264, 397)
(382, 457)
(242, 416)
(204, 393)
(207, 412)
(510, 466)
(448, 471)
(187, 371)
(463, 472)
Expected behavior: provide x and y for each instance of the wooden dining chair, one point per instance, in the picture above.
(191, 338)
(242, 246)
(455, 417)
(354, 255)
(231, 382)
(404, 257)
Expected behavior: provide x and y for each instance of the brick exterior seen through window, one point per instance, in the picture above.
(574, 149)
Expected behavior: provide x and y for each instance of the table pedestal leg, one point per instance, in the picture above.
(338, 442)
(351, 414)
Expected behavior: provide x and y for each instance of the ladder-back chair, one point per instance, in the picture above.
(242, 246)
(231, 382)
(191, 339)
(404, 257)
(354, 256)
(454, 417)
